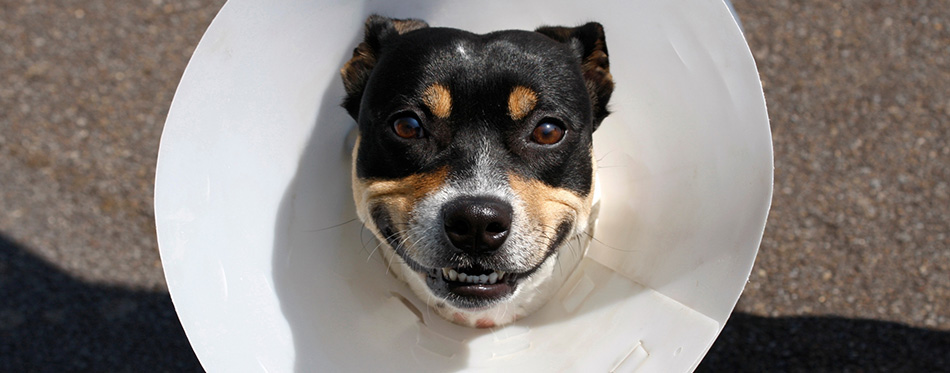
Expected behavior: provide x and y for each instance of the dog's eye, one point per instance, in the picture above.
(547, 133)
(408, 128)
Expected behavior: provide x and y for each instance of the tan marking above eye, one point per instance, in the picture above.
(521, 101)
(438, 99)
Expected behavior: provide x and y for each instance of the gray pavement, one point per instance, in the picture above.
(853, 272)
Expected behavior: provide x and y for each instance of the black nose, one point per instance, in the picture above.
(477, 225)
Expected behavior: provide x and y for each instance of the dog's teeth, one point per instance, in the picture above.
(450, 274)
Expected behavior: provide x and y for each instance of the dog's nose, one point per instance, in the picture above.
(477, 225)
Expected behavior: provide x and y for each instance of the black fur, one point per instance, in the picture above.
(567, 67)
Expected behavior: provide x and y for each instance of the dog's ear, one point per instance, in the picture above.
(379, 31)
(591, 48)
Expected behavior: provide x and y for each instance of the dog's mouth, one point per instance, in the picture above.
(472, 276)
(486, 284)
(472, 287)
(474, 284)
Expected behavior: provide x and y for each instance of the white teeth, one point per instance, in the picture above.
(450, 274)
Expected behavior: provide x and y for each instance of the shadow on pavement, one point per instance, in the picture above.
(51, 322)
(820, 344)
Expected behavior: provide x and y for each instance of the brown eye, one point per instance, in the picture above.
(408, 128)
(547, 134)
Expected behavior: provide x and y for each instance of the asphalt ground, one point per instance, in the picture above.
(853, 273)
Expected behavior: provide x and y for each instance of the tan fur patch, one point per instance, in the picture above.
(439, 100)
(521, 101)
(397, 196)
(411, 188)
(547, 207)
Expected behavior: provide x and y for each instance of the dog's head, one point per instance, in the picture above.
(473, 165)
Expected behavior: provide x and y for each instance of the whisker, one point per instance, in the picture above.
(579, 244)
(364, 242)
(380, 244)
(399, 245)
(604, 156)
(608, 246)
(333, 226)
(430, 303)
(389, 266)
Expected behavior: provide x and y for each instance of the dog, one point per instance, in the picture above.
(473, 164)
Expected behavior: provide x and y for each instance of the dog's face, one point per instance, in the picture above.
(473, 165)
